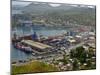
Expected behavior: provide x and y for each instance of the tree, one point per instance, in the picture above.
(75, 64)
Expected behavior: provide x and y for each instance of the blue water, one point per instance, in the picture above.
(45, 32)
(19, 55)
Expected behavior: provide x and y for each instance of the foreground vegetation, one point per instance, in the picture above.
(78, 59)
(33, 67)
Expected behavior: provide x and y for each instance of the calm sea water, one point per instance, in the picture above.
(20, 55)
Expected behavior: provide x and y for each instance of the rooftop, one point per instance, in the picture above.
(36, 44)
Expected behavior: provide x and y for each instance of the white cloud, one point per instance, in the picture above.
(91, 6)
(54, 5)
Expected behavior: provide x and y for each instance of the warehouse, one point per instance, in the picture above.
(40, 47)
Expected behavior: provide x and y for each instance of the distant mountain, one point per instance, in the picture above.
(40, 8)
(17, 9)
(43, 8)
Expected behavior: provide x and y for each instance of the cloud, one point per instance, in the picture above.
(54, 5)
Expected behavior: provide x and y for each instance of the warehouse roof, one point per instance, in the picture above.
(36, 44)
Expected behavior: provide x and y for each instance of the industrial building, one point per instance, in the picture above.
(37, 46)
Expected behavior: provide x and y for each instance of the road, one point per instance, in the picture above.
(75, 46)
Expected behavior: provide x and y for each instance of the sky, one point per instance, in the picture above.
(23, 3)
(20, 3)
(27, 3)
(87, 2)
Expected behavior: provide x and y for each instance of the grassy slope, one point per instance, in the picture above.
(33, 67)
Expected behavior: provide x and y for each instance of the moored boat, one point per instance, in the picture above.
(22, 47)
